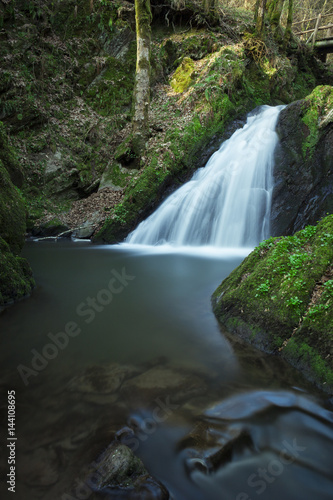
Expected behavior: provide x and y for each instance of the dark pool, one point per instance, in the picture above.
(113, 336)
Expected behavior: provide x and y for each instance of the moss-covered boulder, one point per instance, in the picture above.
(303, 171)
(280, 299)
(183, 76)
(15, 275)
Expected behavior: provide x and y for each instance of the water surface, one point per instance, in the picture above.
(248, 411)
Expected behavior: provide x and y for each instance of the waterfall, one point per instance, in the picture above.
(227, 202)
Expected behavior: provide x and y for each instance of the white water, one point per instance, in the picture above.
(227, 203)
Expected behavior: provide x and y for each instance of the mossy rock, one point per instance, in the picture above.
(280, 299)
(15, 275)
(183, 76)
(16, 280)
(317, 108)
(9, 158)
(12, 212)
(305, 151)
(116, 177)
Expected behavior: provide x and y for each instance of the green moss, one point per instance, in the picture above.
(274, 290)
(111, 91)
(15, 275)
(317, 369)
(9, 158)
(183, 76)
(12, 212)
(16, 279)
(317, 104)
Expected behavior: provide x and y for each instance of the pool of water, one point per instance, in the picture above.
(110, 335)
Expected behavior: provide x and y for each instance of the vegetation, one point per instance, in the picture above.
(15, 275)
(280, 299)
(68, 99)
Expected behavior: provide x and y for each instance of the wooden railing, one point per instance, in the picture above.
(316, 27)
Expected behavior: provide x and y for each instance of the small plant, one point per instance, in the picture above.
(317, 309)
(308, 232)
(329, 287)
(120, 213)
(295, 304)
(263, 288)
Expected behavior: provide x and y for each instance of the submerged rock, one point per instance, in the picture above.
(161, 381)
(280, 300)
(101, 379)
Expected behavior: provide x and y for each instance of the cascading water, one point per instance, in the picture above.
(226, 203)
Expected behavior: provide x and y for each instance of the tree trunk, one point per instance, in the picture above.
(209, 6)
(287, 33)
(274, 10)
(141, 94)
(259, 16)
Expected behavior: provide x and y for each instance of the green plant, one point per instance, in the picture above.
(295, 304)
(329, 287)
(263, 288)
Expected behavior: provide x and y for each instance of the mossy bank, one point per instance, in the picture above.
(280, 299)
(15, 274)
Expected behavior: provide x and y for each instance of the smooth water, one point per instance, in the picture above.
(123, 338)
(227, 203)
(262, 429)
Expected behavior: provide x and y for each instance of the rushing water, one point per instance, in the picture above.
(124, 335)
(226, 203)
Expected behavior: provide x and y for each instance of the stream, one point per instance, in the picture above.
(120, 342)
(212, 418)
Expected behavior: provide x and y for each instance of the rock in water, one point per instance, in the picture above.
(122, 475)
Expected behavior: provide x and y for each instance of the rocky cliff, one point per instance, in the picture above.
(303, 173)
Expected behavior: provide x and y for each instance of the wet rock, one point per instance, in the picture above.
(122, 475)
(101, 379)
(207, 448)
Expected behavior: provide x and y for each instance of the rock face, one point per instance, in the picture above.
(280, 300)
(15, 274)
(303, 172)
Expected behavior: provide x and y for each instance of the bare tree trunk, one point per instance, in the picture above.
(141, 94)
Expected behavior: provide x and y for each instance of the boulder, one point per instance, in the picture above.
(120, 474)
